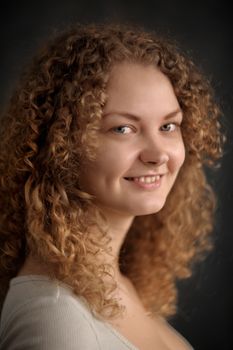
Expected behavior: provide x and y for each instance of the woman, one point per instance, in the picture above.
(104, 200)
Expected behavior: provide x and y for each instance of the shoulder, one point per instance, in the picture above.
(46, 317)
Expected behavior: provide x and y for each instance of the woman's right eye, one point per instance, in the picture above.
(122, 129)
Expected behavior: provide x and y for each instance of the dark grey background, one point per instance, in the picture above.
(204, 31)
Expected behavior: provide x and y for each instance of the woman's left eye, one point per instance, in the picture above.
(122, 129)
(171, 127)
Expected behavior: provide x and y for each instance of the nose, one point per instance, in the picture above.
(154, 153)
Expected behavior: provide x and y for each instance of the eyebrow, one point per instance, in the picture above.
(136, 118)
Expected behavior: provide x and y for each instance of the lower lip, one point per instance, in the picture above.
(147, 186)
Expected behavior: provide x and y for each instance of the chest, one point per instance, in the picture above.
(141, 331)
(144, 331)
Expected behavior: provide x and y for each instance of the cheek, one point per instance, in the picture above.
(181, 157)
(178, 157)
(115, 158)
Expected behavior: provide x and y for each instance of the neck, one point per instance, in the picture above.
(118, 226)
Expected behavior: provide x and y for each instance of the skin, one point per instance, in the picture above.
(130, 148)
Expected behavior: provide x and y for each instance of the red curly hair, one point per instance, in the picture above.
(51, 125)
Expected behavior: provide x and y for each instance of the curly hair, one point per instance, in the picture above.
(50, 127)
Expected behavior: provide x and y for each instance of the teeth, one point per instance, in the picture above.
(147, 179)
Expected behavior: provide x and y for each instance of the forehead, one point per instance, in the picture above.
(139, 89)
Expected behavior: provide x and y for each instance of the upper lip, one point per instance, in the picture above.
(145, 175)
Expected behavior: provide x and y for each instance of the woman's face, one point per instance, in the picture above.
(140, 138)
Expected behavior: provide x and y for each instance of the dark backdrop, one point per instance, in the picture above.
(204, 31)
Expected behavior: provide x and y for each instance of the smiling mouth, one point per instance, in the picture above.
(144, 179)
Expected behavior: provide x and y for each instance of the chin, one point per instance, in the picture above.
(145, 207)
(147, 210)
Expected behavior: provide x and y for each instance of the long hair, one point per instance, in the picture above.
(48, 130)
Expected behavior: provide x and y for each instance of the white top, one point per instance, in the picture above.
(40, 314)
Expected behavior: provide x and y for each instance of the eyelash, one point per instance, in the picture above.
(128, 126)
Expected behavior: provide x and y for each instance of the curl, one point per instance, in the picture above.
(48, 132)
